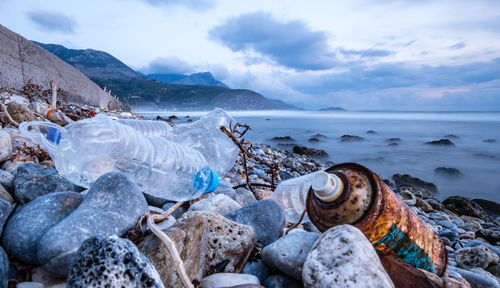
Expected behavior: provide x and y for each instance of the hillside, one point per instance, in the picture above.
(21, 60)
(202, 78)
(144, 93)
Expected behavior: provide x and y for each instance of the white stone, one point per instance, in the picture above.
(220, 280)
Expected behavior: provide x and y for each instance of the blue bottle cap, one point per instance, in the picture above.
(53, 135)
(206, 177)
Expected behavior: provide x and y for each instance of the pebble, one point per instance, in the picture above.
(6, 179)
(241, 195)
(257, 268)
(4, 268)
(32, 220)
(5, 195)
(5, 210)
(451, 235)
(343, 256)
(494, 270)
(478, 256)
(220, 280)
(447, 224)
(112, 206)
(281, 281)
(470, 226)
(464, 206)
(219, 203)
(423, 205)
(34, 180)
(5, 145)
(436, 205)
(408, 197)
(265, 216)
(476, 280)
(111, 262)
(493, 236)
(288, 253)
(475, 243)
(30, 285)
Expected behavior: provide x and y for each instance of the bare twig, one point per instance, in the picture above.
(6, 113)
(298, 223)
(255, 184)
(53, 100)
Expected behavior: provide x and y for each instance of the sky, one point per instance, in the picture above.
(360, 55)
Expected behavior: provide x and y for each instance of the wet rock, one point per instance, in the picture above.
(4, 268)
(423, 205)
(228, 241)
(6, 195)
(394, 140)
(191, 240)
(285, 175)
(470, 226)
(464, 206)
(219, 203)
(371, 132)
(34, 180)
(283, 138)
(30, 222)
(494, 270)
(490, 141)
(281, 281)
(319, 135)
(112, 206)
(5, 210)
(407, 180)
(221, 280)
(6, 179)
(265, 216)
(475, 243)
(490, 207)
(351, 138)
(30, 285)
(313, 139)
(343, 256)
(452, 136)
(20, 112)
(451, 235)
(493, 236)
(302, 150)
(441, 142)
(5, 145)
(288, 253)
(478, 256)
(448, 171)
(436, 205)
(408, 197)
(111, 262)
(257, 268)
(476, 280)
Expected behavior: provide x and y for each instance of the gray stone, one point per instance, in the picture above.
(219, 203)
(408, 197)
(228, 241)
(5, 210)
(451, 235)
(494, 270)
(6, 179)
(281, 281)
(221, 280)
(343, 256)
(423, 205)
(5, 195)
(241, 195)
(257, 268)
(447, 224)
(34, 180)
(30, 222)
(475, 243)
(493, 236)
(20, 112)
(464, 206)
(5, 145)
(30, 285)
(112, 206)
(111, 262)
(4, 268)
(470, 226)
(436, 205)
(476, 280)
(288, 253)
(265, 216)
(479, 256)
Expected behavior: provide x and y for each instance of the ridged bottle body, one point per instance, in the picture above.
(148, 127)
(291, 194)
(98, 145)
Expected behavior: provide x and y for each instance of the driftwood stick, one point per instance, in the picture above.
(53, 100)
(4, 109)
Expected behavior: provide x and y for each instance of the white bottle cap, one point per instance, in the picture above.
(327, 187)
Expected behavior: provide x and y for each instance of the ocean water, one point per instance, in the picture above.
(477, 159)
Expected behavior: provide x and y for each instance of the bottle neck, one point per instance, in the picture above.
(327, 187)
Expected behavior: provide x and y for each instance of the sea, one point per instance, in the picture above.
(475, 135)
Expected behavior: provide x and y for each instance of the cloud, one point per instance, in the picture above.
(366, 53)
(457, 46)
(197, 5)
(168, 65)
(291, 44)
(52, 21)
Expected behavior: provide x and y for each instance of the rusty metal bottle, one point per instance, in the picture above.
(362, 199)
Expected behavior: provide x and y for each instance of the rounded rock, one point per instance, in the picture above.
(220, 280)
(219, 203)
(479, 256)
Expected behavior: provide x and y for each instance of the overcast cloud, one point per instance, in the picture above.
(52, 21)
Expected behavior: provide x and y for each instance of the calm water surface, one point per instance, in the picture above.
(478, 160)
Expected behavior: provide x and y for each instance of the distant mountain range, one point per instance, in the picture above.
(199, 91)
(332, 109)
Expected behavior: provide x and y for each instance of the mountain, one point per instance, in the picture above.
(332, 109)
(21, 61)
(143, 93)
(202, 78)
(93, 63)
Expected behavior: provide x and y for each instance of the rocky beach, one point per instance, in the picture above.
(56, 234)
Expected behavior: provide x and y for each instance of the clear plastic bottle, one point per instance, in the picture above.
(89, 148)
(291, 194)
(148, 127)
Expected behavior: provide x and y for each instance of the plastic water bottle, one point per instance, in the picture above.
(291, 194)
(203, 135)
(89, 148)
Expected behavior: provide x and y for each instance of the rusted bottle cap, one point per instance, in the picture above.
(327, 187)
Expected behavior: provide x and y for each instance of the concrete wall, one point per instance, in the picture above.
(21, 60)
